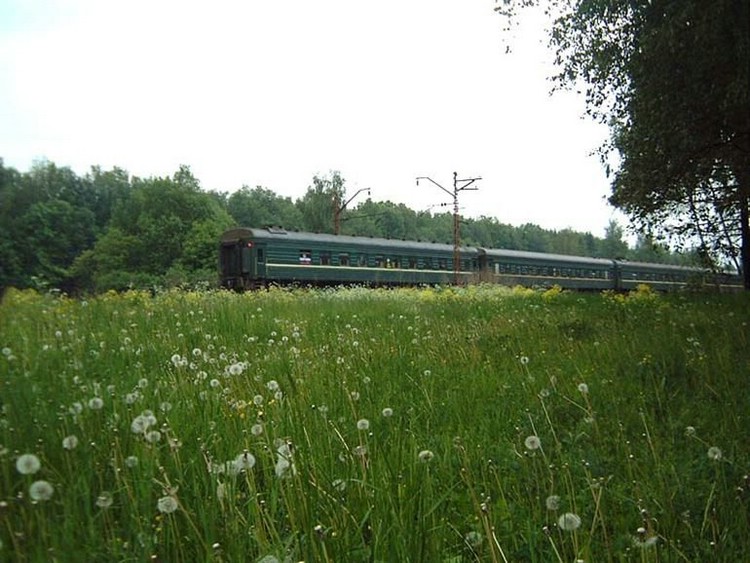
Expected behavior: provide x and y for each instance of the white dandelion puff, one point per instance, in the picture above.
(104, 500)
(284, 464)
(387, 412)
(272, 385)
(363, 424)
(140, 424)
(96, 403)
(425, 456)
(532, 443)
(714, 453)
(569, 521)
(473, 539)
(153, 436)
(552, 502)
(583, 389)
(70, 442)
(167, 504)
(28, 464)
(256, 429)
(243, 462)
(41, 490)
(131, 461)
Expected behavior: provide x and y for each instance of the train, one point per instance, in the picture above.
(252, 258)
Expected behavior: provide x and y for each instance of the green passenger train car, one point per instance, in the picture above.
(251, 258)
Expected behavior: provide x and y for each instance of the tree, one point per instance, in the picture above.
(672, 79)
(320, 201)
(261, 207)
(164, 223)
(613, 245)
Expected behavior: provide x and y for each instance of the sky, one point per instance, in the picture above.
(267, 93)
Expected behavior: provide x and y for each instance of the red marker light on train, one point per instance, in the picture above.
(250, 244)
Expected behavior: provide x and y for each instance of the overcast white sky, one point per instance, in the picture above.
(272, 93)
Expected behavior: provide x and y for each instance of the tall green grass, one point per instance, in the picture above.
(475, 424)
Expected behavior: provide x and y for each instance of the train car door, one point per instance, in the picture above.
(260, 260)
(249, 263)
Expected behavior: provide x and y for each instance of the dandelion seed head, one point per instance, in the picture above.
(524, 360)
(256, 429)
(96, 403)
(104, 500)
(131, 461)
(272, 385)
(41, 490)
(583, 388)
(363, 424)
(714, 453)
(569, 521)
(532, 443)
(167, 504)
(473, 539)
(70, 442)
(28, 464)
(552, 502)
(387, 412)
(425, 456)
(244, 462)
(153, 436)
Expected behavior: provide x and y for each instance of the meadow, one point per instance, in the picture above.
(425, 425)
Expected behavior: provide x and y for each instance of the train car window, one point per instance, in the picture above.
(261, 258)
(379, 261)
(343, 259)
(325, 258)
(396, 262)
(442, 264)
(305, 257)
(412, 262)
(362, 260)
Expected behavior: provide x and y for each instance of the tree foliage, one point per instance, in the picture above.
(672, 79)
(108, 230)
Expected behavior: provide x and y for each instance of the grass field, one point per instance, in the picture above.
(435, 425)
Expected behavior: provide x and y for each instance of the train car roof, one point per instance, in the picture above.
(657, 266)
(582, 260)
(276, 233)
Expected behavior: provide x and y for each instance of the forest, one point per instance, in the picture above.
(108, 230)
